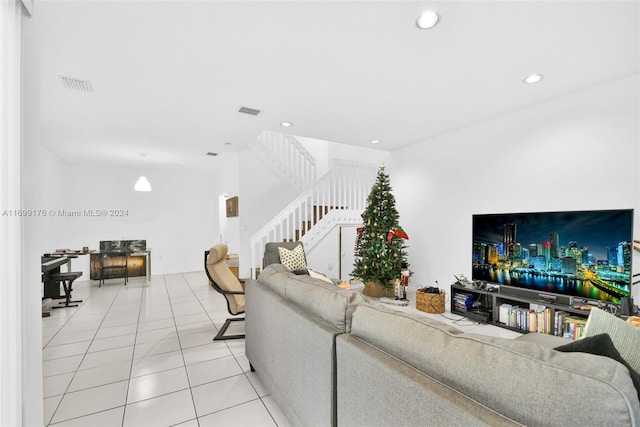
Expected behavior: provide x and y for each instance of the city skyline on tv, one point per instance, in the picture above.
(596, 230)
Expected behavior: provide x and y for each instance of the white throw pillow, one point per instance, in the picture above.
(293, 259)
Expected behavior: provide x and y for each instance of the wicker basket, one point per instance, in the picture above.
(431, 303)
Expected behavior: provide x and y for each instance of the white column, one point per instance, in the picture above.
(10, 224)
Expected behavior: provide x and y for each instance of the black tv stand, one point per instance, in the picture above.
(487, 305)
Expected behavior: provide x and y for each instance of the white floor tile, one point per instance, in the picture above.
(71, 337)
(56, 385)
(190, 423)
(156, 335)
(156, 347)
(187, 308)
(61, 366)
(153, 385)
(155, 324)
(58, 351)
(213, 370)
(114, 331)
(236, 346)
(101, 375)
(78, 324)
(250, 414)
(218, 395)
(157, 363)
(193, 340)
(166, 410)
(213, 350)
(192, 318)
(50, 405)
(89, 401)
(112, 342)
(152, 314)
(108, 418)
(107, 357)
(205, 326)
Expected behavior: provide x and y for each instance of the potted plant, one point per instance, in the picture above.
(380, 248)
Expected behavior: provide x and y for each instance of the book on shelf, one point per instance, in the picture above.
(574, 327)
(503, 316)
(558, 323)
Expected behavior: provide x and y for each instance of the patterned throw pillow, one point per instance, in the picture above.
(293, 259)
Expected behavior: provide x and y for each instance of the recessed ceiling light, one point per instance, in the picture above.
(375, 141)
(286, 124)
(427, 20)
(533, 78)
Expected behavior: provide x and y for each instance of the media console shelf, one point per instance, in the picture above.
(516, 312)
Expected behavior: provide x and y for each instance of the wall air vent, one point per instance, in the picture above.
(76, 84)
(212, 154)
(248, 110)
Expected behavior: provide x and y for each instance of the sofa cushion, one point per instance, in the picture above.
(513, 377)
(326, 301)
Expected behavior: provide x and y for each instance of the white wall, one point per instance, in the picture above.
(263, 195)
(572, 153)
(178, 219)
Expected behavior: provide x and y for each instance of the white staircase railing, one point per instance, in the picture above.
(287, 158)
(337, 198)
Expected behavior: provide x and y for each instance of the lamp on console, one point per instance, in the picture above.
(142, 184)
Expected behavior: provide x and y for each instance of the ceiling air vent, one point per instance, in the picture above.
(248, 110)
(76, 84)
(212, 154)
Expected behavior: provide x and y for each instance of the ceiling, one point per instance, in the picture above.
(168, 77)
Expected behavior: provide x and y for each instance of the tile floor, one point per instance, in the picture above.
(143, 355)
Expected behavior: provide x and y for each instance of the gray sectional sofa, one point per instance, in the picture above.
(329, 357)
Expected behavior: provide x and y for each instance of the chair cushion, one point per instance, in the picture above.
(224, 278)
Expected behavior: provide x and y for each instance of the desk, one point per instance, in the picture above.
(70, 254)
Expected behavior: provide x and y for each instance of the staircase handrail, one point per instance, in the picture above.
(287, 157)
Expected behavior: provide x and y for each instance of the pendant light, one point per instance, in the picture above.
(142, 184)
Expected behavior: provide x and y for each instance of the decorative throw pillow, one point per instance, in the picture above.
(293, 259)
(601, 345)
(625, 337)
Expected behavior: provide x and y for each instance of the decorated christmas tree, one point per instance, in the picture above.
(380, 248)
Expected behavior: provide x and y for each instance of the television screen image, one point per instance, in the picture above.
(579, 253)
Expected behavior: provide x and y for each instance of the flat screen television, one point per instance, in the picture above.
(585, 254)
